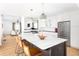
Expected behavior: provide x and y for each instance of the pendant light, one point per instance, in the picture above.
(43, 15)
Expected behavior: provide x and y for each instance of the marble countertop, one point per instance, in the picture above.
(50, 40)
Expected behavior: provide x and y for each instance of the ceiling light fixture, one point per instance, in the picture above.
(43, 15)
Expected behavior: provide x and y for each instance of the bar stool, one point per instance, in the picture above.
(19, 47)
(31, 51)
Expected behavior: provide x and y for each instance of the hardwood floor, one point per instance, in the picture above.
(8, 48)
(72, 51)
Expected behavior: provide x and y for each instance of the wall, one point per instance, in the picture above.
(7, 27)
(74, 18)
(75, 30)
(0, 30)
(7, 23)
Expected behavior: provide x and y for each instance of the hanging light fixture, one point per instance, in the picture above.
(31, 13)
(43, 15)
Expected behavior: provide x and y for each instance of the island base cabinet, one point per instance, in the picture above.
(58, 50)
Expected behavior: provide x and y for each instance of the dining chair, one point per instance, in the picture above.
(29, 50)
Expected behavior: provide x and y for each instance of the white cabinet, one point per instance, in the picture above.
(42, 23)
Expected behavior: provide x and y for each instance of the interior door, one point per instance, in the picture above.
(64, 30)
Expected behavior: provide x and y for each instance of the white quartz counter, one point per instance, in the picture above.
(49, 41)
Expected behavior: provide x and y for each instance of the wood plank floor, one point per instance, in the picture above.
(72, 51)
(8, 48)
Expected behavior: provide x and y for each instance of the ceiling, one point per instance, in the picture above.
(50, 9)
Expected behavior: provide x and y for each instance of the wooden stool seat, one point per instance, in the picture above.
(29, 50)
(19, 48)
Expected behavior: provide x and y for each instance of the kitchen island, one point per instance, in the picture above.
(51, 44)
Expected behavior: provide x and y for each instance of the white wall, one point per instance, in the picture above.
(75, 30)
(7, 27)
(74, 18)
(0, 30)
(7, 23)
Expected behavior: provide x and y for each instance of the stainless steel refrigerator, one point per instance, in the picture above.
(64, 30)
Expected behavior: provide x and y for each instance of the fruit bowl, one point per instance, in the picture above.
(42, 37)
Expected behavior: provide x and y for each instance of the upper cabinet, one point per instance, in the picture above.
(33, 23)
(42, 23)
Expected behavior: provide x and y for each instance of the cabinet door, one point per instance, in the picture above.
(42, 23)
(59, 50)
(27, 24)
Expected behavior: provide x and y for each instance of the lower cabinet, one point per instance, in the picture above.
(58, 50)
